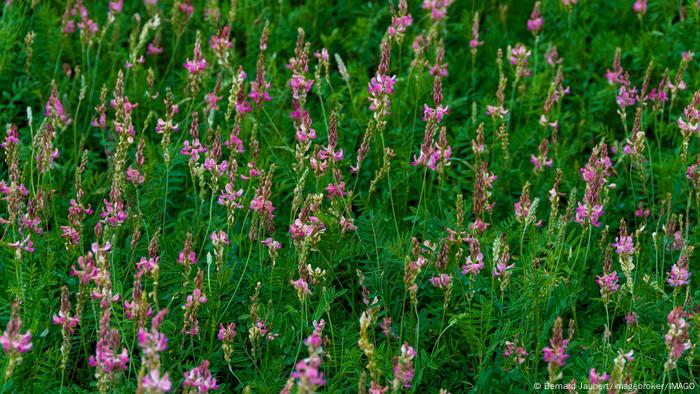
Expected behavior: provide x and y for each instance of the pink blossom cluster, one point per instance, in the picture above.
(534, 24)
(108, 357)
(514, 352)
(12, 339)
(198, 63)
(680, 274)
(401, 21)
(77, 15)
(437, 8)
(199, 379)
(403, 368)
(595, 175)
(475, 260)
(677, 338)
(307, 374)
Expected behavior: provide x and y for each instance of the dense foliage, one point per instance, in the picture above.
(352, 196)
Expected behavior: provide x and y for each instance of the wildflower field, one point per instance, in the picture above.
(357, 196)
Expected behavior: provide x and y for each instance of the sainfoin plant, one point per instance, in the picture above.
(425, 196)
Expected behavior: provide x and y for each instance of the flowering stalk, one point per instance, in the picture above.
(595, 175)
(380, 88)
(555, 354)
(624, 247)
(13, 342)
(192, 304)
(677, 338)
(307, 376)
(67, 323)
(152, 343)
(226, 335)
(199, 380)
(403, 368)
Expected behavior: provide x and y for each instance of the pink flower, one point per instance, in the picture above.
(474, 43)
(624, 245)
(380, 88)
(640, 7)
(200, 379)
(386, 326)
(441, 281)
(555, 354)
(212, 100)
(113, 213)
(54, 108)
(585, 214)
(259, 92)
(502, 269)
(311, 227)
(626, 96)
(106, 357)
(219, 238)
(475, 261)
(154, 383)
(88, 271)
(437, 113)
(186, 7)
(641, 211)
(187, 256)
(272, 244)
(134, 176)
(400, 22)
(608, 282)
(438, 8)
(301, 286)
(11, 138)
(197, 64)
(518, 353)
(12, 340)
(594, 378)
(152, 49)
(403, 368)
(534, 24)
(227, 333)
(336, 190)
(220, 42)
(26, 244)
(66, 320)
(678, 276)
(595, 175)
(116, 6)
(677, 338)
